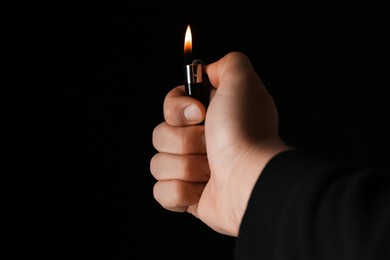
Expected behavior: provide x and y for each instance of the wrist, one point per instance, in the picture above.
(249, 171)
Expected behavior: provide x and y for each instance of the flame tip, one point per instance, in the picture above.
(188, 40)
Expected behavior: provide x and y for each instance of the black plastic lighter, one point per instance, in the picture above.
(196, 82)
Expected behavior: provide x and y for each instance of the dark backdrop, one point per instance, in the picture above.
(82, 86)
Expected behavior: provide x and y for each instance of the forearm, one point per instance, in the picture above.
(306, 208)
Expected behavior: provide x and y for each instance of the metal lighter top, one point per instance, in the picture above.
(194, 72)
(196, 82)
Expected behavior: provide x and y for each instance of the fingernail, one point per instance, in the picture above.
(192, 113)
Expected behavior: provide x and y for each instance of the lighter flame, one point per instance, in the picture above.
(188, 40)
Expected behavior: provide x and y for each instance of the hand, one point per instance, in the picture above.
(210, 170)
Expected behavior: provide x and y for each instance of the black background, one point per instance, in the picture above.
(82, 86)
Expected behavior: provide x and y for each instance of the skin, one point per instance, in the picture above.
(210, 170)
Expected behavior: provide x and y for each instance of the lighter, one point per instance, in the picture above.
(196, 81)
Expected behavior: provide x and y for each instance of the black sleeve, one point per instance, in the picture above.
(306, 208)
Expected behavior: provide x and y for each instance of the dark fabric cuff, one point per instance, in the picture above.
(281, 175)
